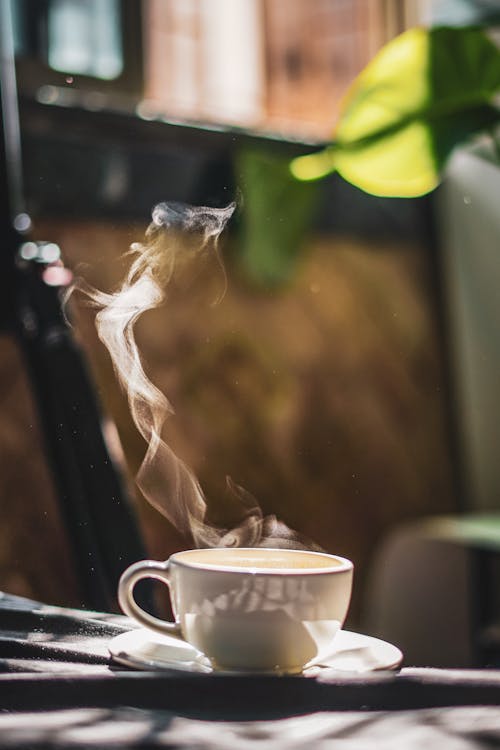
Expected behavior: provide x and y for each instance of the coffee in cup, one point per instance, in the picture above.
(248, 608)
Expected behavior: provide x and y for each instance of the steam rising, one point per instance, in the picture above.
(164, 479)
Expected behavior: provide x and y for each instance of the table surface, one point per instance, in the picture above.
(58, 688)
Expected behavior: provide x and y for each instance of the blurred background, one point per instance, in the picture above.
(347, 379)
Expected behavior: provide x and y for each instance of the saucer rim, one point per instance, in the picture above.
(126, 659)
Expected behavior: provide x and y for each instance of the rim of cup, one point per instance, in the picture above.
(338, 564)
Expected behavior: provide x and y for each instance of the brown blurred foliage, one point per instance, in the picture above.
(324, 399)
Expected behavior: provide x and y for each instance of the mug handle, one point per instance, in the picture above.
(132, 575)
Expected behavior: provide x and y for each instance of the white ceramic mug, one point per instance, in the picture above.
(249, 608)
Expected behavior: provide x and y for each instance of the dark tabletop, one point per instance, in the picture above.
(58, 688)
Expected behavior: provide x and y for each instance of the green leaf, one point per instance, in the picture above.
(277, 211)
(424, 93)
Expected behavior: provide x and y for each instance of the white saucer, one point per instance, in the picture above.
(350, 652)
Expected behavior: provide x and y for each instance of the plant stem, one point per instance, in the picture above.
(496, 143)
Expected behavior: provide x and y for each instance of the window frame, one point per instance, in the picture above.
(33, 71)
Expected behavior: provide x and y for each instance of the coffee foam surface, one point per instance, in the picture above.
(258, 558)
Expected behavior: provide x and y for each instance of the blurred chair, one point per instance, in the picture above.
(433, 590)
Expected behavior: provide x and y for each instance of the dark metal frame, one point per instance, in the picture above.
(104, 536)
